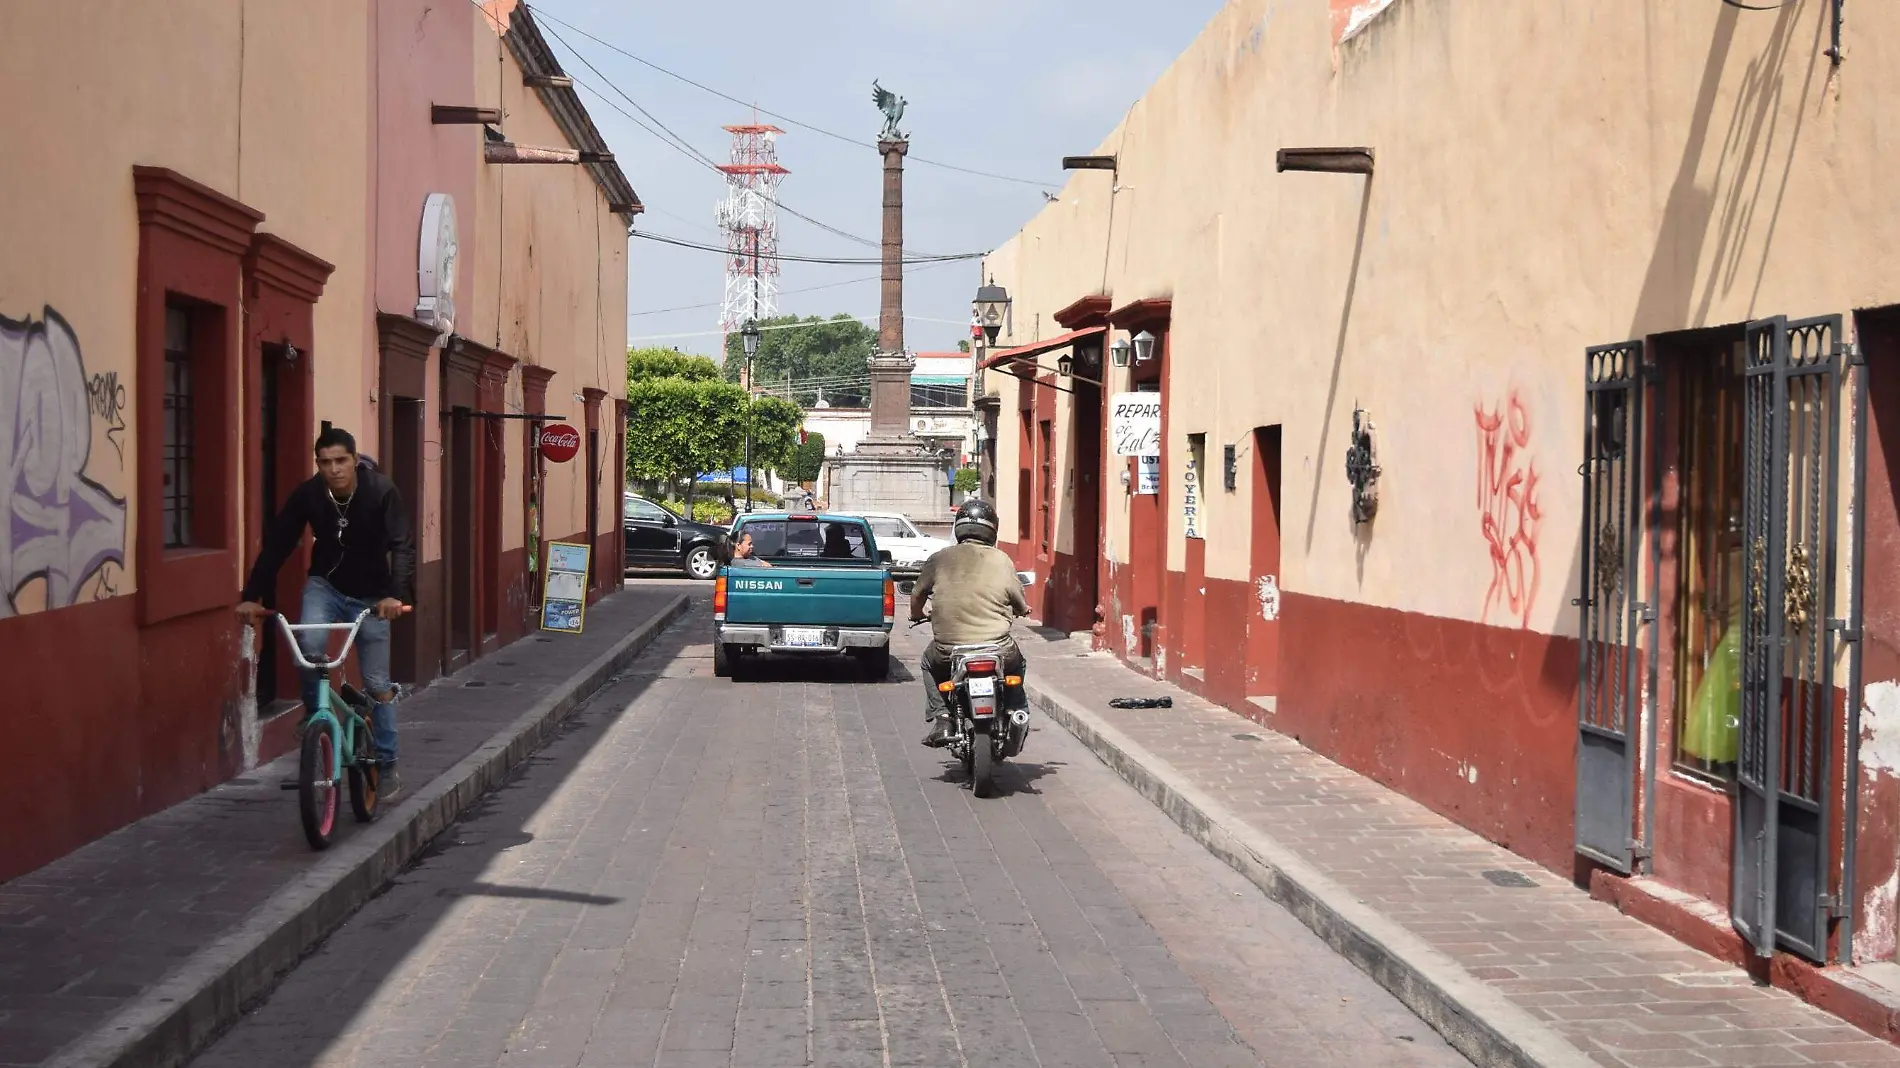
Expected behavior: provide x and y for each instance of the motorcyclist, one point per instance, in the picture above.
(975, 598)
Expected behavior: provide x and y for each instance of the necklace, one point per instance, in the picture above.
(342, 512)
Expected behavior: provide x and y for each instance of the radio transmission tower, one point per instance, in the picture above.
(749, 216)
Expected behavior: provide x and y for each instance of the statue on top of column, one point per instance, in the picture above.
(892, 106)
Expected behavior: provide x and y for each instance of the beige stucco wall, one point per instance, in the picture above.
(548, 287)
(247, 98)
(1549, 176)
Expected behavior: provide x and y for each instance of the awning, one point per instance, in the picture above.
(1030, 351)
(939, 380)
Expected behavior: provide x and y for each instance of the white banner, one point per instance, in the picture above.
(1134, 424)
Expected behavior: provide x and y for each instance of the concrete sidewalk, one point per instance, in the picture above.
(139, 947)
(1512, 964)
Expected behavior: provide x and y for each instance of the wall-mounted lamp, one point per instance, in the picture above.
(1228, 467)
(1065, 365)
(1144, 347)
(1362, 468)
(989, 310)
(1118, 352)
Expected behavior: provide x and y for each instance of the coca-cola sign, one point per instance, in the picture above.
(560, 442)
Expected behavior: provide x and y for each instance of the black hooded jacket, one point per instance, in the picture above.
(364, 547)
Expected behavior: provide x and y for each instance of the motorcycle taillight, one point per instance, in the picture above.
(979, 667)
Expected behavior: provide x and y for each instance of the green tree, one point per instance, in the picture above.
(826, 354)
(774, 433)
(679, 428)
(808, 459)
(670, 363)
(969, 480)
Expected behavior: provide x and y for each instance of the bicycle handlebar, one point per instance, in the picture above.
(291, 630)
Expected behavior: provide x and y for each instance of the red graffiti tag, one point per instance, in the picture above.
(1508, 514)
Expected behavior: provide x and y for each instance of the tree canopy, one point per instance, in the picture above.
(683, 420)
(670, 363)
(808, 459)
(823, 357)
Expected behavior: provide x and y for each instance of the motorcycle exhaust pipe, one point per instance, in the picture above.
(1020, 717)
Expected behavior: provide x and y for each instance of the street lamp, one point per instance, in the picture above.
(991, 307)
(749, 335)
(1144, 347)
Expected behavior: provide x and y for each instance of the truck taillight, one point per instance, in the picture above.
(890, 601)
(719, 596)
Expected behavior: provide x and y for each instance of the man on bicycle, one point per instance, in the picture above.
(363, 557)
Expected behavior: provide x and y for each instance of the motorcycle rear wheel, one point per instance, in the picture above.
(983, 763)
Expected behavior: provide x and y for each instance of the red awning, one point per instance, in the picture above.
(1022, 352)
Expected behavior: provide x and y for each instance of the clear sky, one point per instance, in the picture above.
(1005, 86)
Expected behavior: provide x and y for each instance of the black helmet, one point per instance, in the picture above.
(976, 521)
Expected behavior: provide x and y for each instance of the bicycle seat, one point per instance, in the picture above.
(356, 699)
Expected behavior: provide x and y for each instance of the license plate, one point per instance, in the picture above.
(803, 637)
(982, 687)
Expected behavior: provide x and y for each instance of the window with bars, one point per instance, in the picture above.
(176, 458)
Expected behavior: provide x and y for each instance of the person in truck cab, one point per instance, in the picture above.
(975, 598)
(742, 553)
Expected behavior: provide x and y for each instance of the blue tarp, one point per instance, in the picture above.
(737, 474)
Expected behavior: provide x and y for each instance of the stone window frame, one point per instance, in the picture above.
(192, 244)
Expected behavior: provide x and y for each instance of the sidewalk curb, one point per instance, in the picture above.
(1477, 1021)
(173, 1020)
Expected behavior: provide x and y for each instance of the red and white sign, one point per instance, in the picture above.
(560, 442)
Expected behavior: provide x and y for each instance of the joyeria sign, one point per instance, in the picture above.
(560, 442)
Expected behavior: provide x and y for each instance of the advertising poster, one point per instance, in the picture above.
(564, 593)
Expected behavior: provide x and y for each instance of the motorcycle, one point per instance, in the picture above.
(989, 710)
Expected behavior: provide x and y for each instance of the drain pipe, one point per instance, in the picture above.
(1834, 49)
(1852, 634)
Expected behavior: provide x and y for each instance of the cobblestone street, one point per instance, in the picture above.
(773, 872)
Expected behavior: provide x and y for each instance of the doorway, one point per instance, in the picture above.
(489, 566)
(596, 566)
(404, 461)
(1263, 617)
(1082, 593)
(279, 459)
(459, 548)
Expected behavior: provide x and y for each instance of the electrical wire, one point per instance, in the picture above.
(680, 144)
(539, 14)
(867, 319)
(783, 257)
(783, 292)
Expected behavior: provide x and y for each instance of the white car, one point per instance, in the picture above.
(908, 546)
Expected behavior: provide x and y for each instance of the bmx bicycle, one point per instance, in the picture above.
(336, 739)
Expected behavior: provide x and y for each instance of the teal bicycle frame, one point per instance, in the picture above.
(342, 731)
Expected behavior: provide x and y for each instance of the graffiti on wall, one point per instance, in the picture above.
(1508, 513)
(1267, 590)
(62, 532)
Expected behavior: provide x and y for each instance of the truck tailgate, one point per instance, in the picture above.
(806, 596)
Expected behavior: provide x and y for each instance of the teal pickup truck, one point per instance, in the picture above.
(819, 585)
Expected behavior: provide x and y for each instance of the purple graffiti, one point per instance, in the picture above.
(56, 524)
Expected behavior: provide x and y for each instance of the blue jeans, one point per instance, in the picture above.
(322, 603)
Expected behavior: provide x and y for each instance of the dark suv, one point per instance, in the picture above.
(658, 538)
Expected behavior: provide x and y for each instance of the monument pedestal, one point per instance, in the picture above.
(891, 471)
(902, 480)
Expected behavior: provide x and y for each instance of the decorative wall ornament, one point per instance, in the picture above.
(1362, 467)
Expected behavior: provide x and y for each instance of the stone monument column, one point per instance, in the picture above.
(890, 365)
(892, 469)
